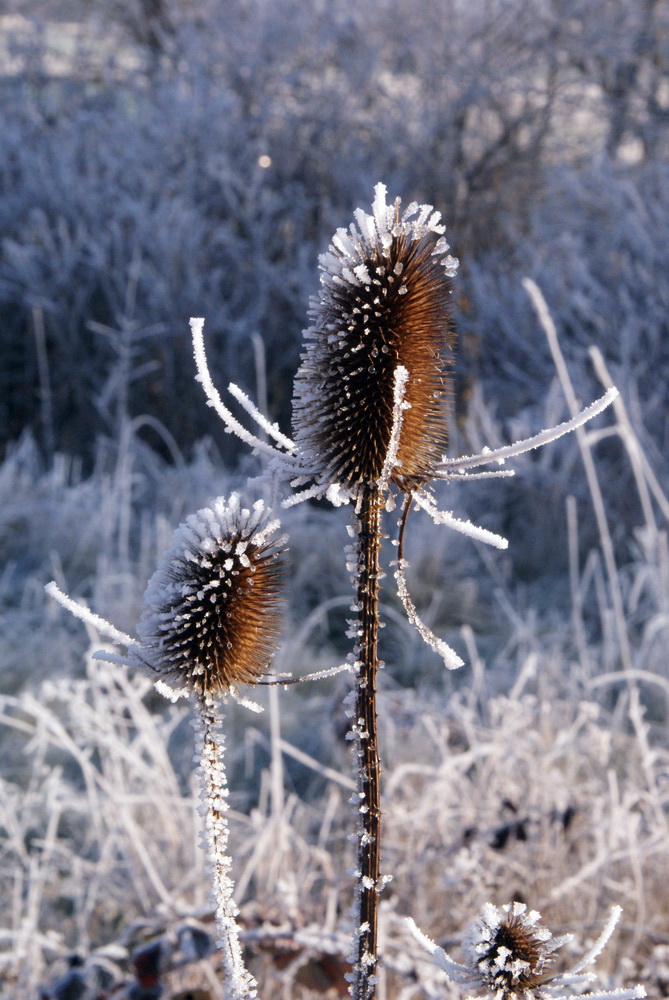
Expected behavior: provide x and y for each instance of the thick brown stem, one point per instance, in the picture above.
(365, 727)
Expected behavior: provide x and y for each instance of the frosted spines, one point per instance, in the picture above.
(375, 234)
(211, 617)
(343, 243)
(383, 214)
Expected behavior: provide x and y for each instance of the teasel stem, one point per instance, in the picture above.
(366, 730)
(238, 983)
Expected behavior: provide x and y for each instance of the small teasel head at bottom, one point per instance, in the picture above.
(509, 950)
(510, 955)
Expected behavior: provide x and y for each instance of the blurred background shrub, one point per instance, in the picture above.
(164, 158)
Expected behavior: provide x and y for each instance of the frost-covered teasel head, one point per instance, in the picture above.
(212, 608)
(509, 950)
(383, 307)
(371, 393)
(510, 955)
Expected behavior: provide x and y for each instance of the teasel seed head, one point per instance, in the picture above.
(383, 305)
(213, 607)
(508, 951)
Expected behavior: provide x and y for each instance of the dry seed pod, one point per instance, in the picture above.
(212, 608)
(509, 951)
(383, 306)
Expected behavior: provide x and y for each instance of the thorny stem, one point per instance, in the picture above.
(239, 984)
(365, 728)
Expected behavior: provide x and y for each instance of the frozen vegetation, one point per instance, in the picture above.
(165, 160)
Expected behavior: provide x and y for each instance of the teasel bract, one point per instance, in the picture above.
(211, 622)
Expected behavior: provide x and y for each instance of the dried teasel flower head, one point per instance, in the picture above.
(509, 951)
(212, 608)
(383, 309)
(509, 955)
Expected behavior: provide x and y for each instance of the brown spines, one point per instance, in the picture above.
(425, 341)
(525, 964)
(226, 630)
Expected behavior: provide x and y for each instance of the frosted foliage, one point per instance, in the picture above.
(552, 746)
(543, 165)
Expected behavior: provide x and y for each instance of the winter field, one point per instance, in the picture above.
(161, 160)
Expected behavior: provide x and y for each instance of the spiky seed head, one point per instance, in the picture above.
(213, 607)
(384, 303)
(508, 951)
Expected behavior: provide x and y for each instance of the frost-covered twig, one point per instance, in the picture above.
(423, 500)
(400, 404)
(87, 616)
(239, 983)
(448, 655)
(448, 466)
